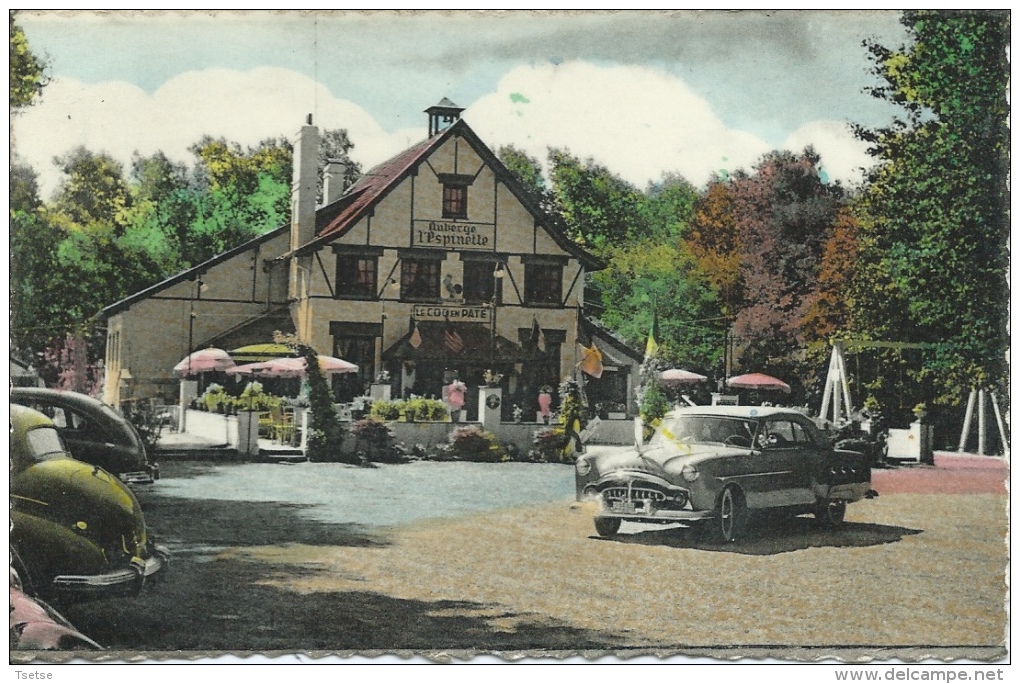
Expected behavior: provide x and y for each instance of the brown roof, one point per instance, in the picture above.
(335, 219)
(375, 183)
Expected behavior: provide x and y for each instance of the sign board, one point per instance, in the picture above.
(458, 313)
(453, 235)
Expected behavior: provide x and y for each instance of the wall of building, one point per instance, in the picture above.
(412, 206)
(156, 332)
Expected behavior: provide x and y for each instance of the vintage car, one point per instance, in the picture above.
(710, 466)
(94, 432)
(76, 530)
(36, 626)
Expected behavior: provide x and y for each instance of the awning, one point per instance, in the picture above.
(437, 340)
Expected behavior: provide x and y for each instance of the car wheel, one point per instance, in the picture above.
(607, 527)
(731, 515)
(831, 513)
(19, 567)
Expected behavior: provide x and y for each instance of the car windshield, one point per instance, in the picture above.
(688, 429)
(44, 444)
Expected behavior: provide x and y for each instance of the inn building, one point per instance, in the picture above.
(436, 264)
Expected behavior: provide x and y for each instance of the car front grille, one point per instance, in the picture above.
(633, 494)
(626, 496)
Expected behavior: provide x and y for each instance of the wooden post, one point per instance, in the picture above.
(967, 420)
(982, 439)
(1002, 428)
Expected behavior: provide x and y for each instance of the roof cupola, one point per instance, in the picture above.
(442, 115)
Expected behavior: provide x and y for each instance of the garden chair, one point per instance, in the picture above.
(283, 425)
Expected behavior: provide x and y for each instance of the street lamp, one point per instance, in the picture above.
(497, 279)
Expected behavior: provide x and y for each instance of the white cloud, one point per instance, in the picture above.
(118, 118)
(844, 157)
(638, 121)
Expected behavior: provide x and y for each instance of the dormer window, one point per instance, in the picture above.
(455, 195)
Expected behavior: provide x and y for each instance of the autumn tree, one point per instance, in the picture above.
(934, 216)
(784, 214)
(714, 241)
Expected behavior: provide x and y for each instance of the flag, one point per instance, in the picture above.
(415, 337)
(453, 342)
(591, 360)
(652, 347)
(536, 334)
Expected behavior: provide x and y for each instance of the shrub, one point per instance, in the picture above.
(375, 439)
(385, 410)
(548, 445)
(326, 432)
(425, 409)
(475, 444)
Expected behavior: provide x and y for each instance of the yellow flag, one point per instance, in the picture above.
(591, 361)
(652, 347)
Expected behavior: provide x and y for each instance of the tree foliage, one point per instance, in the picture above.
(27, 70)
(933, 219)
(601, 210)
(784, 214)
(107, 234)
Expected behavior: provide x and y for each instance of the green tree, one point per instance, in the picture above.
(934, 216)
(27, 70)
(527, 169)
(649, 278)
(669, 207)
(601, 210)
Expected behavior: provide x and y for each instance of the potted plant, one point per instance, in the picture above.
(920, 410)
(492, 378)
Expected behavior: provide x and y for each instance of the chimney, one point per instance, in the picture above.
(333, 185)
(302, 197)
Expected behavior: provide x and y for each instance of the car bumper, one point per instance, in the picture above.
(653, 515)
(147, 476)
(123, 581)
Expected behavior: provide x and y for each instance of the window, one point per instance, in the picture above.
(455, 199)
(480, 282)
(419, 279)
(543, 284)
(356, 276)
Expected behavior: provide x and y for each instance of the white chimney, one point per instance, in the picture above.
(333, 184)
(302, 202)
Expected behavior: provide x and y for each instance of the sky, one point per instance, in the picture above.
(644, 93)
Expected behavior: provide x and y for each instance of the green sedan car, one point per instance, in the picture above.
(77, 531)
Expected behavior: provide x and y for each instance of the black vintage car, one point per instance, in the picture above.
(710, 466)
(94, 432)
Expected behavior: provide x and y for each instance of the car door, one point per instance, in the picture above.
(787, 452)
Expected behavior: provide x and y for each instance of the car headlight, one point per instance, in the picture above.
(583, 466)
(690, 473)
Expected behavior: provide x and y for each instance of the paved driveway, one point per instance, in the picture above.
(499, 558)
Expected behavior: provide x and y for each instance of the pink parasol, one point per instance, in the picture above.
(289, 367)
(758, 381)
(211, 359)
(678, 376)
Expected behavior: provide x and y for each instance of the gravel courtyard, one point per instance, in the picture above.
(518, 567)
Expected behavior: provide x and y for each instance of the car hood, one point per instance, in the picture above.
(665, 462)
